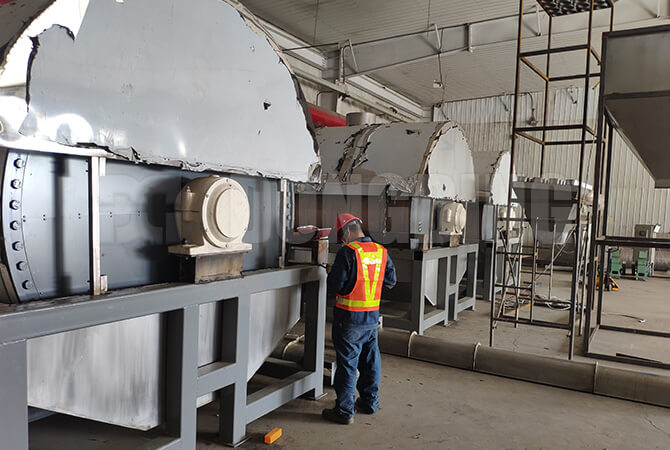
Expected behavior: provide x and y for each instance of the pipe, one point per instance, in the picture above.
(343, 90)
(580, 376)
(576, 375)
(324, 118)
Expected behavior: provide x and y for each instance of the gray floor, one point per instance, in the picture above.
(424, 406)
(430, 406)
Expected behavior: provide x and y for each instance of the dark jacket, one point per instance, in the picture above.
(342, 279)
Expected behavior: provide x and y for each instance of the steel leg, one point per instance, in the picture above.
(13, 397)
(315, 330)
(418, 296)
(443, 268)
(233, 398)
(182, 374)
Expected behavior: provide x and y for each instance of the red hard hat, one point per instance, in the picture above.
(344, 219)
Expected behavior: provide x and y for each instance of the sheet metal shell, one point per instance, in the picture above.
(424, 159)
(637, 93)
(492, 174)
(198, 85)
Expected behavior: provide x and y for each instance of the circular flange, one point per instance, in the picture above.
(225, 211)
(12, 222)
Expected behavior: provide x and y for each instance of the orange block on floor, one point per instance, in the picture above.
(273, 436)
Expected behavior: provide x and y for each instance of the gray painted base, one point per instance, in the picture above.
(449, 302)
(184, 379)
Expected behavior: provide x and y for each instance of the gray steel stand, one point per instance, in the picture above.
(486, 254)
(185, 381)
(449, 304)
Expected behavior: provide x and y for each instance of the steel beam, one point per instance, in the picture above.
(270, 398)
(396, 51)
(41, 318)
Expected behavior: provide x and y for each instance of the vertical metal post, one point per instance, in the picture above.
(551, 263)
(233, 398)
(597, 253)
(546, 97)
(515, 114)
(443, 269)
(575, 272)
(608, 177)
(533, 273)
(314, 295)
(492, 290)
(94, 174)
(282, 190)
(517, 283)
(417, 307)
(13, 396)
(584, 258)
(471, 271)
(182, 374)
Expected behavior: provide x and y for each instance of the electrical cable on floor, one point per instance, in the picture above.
(639, 319)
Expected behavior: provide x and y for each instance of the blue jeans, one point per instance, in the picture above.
(357, 349)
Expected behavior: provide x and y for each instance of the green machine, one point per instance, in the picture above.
(614, 262)
(643, 258)
(642, 268)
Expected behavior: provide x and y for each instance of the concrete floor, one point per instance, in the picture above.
(634, 302)
(423, 406)
(430, 406)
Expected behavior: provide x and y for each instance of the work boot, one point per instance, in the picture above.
(333, 416)
(362, 407)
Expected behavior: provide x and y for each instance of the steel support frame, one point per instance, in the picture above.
(185, 381)
(449, 302)
(524, 132)
(600, 240)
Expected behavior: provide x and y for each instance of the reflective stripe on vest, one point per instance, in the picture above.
(365, 296)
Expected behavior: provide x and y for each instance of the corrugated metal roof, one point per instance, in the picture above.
(486, 72)
(364, 20)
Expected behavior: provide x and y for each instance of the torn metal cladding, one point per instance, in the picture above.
(195, 85)
(428, 159)
(492, 172)
(15, 17)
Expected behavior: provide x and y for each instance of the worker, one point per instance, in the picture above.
(355, 280)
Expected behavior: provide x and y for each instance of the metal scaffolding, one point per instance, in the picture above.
(540, 135)
(600, 239)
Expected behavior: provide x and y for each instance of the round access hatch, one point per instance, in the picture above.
(232, 212)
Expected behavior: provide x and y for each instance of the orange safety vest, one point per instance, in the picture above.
(370, 269)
